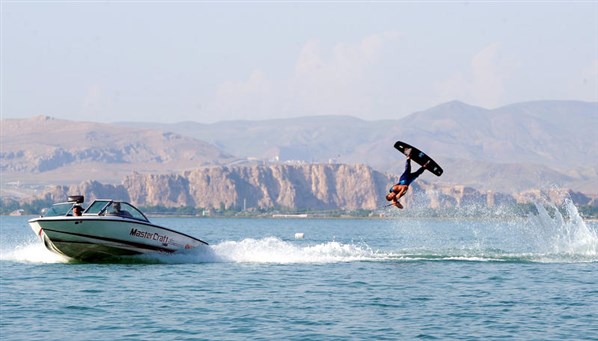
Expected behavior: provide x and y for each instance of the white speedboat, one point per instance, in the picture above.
(107, 228)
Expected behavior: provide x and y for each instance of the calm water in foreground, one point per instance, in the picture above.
(387, 279)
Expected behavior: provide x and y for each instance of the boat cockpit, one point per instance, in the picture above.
(99, 207)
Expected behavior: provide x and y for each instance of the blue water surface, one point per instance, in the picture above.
(375, 279)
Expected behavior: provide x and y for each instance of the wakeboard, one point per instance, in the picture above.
(419, 157)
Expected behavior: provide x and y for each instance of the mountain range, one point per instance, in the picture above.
(538, 144)
(519, 146)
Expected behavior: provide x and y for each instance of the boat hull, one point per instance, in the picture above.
(89, 238)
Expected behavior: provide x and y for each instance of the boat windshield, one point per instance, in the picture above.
(60, 209)
(123, 209)
(97, 207)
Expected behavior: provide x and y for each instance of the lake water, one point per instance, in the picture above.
(398, 278)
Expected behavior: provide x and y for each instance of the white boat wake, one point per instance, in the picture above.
(553, 235)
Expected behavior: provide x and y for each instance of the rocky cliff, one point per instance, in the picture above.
(513, 148)
(306, 186)
(314, 186)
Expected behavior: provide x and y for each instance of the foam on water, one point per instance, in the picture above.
(265, 250)
(33, 252)
(554, 234)
(561, 233)
(275, 251)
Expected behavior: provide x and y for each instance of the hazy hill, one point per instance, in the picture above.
(317, 139)
(512, 148)
(47, 150)
(558, 134)
(524, 145)
(530, 132)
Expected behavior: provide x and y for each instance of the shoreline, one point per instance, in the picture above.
(308, 216)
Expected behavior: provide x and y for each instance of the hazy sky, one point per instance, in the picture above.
(211, 61)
